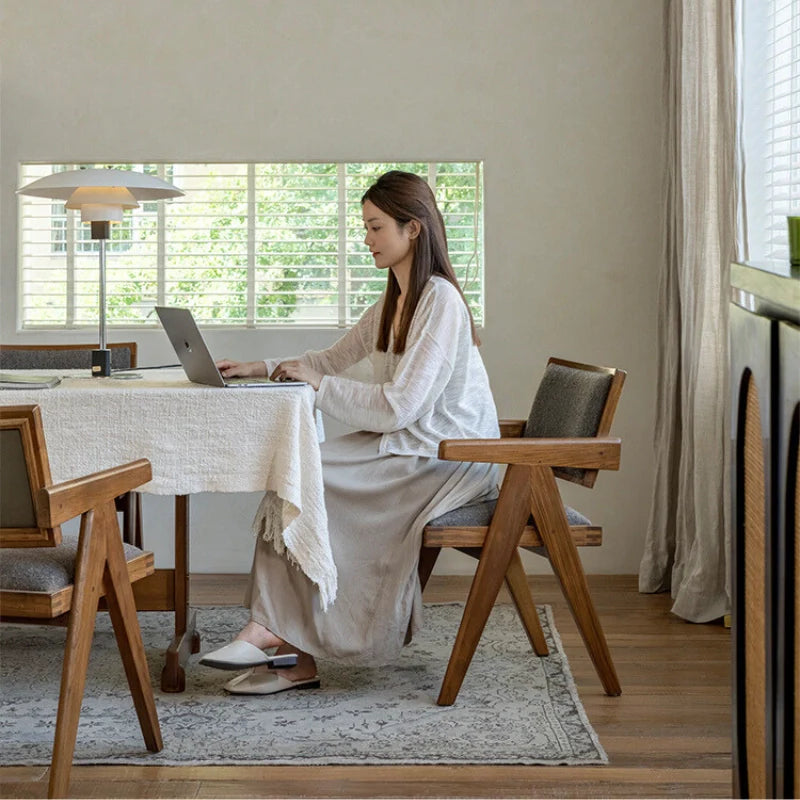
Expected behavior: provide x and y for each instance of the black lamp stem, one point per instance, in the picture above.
(101, 359)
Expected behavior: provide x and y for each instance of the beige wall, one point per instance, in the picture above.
(560, 98)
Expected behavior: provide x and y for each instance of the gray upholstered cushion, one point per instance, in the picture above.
(478, 515)
(16, 503)
(44, 569)
(60, 359)
(568, 404)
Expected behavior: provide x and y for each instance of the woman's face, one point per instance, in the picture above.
(389, 243)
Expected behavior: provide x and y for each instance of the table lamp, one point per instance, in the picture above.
(101, 195)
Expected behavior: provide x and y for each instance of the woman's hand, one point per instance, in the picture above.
(241, 369)
(297, 371)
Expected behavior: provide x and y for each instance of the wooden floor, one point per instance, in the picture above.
(668, 735)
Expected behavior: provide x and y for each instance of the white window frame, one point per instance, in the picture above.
(54, 257)
(769, 83)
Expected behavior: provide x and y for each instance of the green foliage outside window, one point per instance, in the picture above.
(248, 245)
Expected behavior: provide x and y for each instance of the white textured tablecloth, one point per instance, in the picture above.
(198, 439)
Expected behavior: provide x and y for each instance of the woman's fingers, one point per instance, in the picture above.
(235, 369)
(224, 366)
(285, 370)
(296, 371)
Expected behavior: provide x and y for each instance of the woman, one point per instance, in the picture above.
(383, 482)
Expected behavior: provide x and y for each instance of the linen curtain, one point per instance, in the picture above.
(686, 550)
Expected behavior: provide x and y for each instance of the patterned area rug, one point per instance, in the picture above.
(513, 708)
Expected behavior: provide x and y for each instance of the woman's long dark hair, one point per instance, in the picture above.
(405, 196)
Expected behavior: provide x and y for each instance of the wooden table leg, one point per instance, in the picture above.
(186, 639)
(130, 506)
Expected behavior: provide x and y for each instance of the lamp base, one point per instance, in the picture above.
(101, 363)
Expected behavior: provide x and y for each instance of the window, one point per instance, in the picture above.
(248, 245)
(770, 86)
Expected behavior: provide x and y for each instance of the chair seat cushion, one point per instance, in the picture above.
(44, 569)
(478, 515)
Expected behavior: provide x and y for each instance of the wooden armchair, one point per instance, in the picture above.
(79, 356)
(49, 579)
(566, 436)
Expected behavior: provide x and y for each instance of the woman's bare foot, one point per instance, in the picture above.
(305, 668)
(258, 635)
(262, 637)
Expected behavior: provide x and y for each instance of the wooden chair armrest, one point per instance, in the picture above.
(510, 428)
(63, 501)
(586, 453)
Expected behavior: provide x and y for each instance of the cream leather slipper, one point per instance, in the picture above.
(241, 655)
(262, 682)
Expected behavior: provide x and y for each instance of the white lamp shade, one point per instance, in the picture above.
(101, 195)
(101, 203)
(63, 185)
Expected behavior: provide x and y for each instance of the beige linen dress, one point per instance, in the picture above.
(383, 482)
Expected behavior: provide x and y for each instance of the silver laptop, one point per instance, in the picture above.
(195, 357)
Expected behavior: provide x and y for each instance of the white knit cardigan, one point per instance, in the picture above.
(437, 389)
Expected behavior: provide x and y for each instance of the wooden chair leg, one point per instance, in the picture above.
(427, 560)
(551, 521)
(122, 609)
(501, 541)
(517, 584)
(88, 580)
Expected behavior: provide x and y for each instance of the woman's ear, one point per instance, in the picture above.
(414, 228)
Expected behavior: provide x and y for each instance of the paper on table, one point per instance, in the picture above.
(21, 380)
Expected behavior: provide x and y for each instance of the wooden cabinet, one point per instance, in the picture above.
(787, 562)
(750, 400)
(765, 580)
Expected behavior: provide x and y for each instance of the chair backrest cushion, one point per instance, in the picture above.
(569, 404)
(16, 498)
(61, 358)
(24, 471)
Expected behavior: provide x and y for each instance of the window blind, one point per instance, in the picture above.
(770, 85)
(249, 244)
